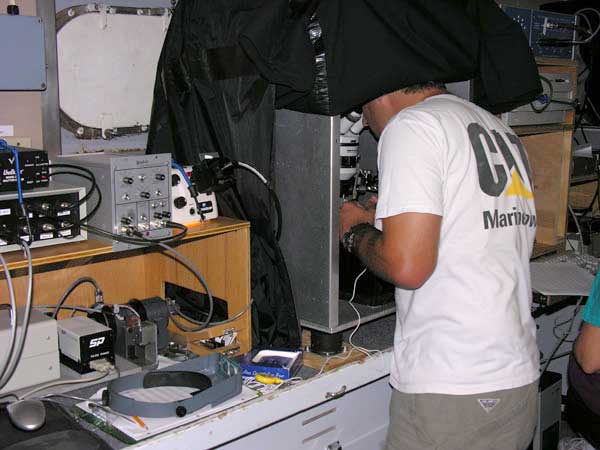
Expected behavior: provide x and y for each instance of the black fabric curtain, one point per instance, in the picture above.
(209, 98)
(365, 48)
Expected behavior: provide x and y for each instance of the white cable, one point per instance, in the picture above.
(13, 318)
(593, 35)
(16, 356)
(578, 229)
(353, 347)
(360, 349)
(64, 382)
(129, 308)
(254, 171)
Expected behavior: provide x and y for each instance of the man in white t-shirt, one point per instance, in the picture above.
(453, 230)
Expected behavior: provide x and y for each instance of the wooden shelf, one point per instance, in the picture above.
(556, 62)
(219, 248)
(92, 247)
(544, 249)
(529, 130)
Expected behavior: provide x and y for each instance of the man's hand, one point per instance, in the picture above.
(352, 213)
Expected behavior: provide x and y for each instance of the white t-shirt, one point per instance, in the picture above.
(468, 329)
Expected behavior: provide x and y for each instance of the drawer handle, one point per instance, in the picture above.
(338, 394)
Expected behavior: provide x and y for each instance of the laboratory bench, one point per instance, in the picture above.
(345, 405)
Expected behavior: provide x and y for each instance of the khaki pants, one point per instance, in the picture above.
(502, 420)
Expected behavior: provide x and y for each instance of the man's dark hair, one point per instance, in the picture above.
(423, 86)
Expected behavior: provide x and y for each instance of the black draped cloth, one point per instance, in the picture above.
(209, 98)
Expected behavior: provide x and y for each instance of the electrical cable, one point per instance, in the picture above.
(578, 229)
(72, 287)
(4, 146)
(550, 95)
(65, 382)
(192, 267)
(361, 349)
(13, 318)
(549, 42)
(565, 335)
(353, 347)
(90, 177)
(141, 240)
(69, 307)
(16, 356)
(595, 32)
(89, 193)
(222, 322)
(272, 193)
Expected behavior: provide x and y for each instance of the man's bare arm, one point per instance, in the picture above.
(405, 252)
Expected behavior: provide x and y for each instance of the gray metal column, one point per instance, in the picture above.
(45, 9)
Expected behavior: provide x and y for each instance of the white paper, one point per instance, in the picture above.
(7, 130)
(560, 278)
(159, 425)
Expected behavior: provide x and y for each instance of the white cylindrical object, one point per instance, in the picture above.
(357, 127)
(348, 121)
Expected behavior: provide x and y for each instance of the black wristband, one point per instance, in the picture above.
(348, 240)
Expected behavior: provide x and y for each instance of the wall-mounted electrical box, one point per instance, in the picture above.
(22, 50)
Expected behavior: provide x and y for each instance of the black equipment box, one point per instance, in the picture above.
(54, 214)
(33, 165)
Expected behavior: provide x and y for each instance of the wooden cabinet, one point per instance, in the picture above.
(219, 248)
(549, 149)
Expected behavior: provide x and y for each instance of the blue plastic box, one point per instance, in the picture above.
(279, 363)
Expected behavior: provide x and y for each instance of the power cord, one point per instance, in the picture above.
(353, 347)
(13, 318)
(4, 146)
(72, 287)
(267, 184)
(15, 355)
(546, 99)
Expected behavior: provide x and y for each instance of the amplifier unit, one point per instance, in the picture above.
(549, 34)
(33, 165)
(136, 195)
(54, 213)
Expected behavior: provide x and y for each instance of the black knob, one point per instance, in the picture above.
(180, 411)
(179, 202)
(105, 397)
(127, 180)
(160, 176)
(175, 179)
(145, 194)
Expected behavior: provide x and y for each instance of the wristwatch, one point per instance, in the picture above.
(350, 235)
